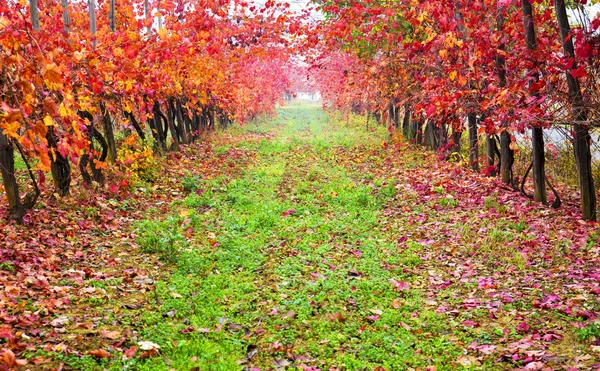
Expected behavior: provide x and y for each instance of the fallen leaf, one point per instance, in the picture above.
(113, 335)
(99, 353)
(148, 345)
(336, 317)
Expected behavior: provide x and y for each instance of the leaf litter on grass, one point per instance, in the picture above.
(328, 251)
(72, 280)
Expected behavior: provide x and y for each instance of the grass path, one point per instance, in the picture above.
(290, 267)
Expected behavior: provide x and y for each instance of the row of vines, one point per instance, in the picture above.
(504, 70)
(76, 75)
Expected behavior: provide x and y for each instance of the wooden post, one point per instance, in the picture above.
(66, 18)
(35, 15)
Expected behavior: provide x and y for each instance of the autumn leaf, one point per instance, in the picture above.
(99, 353)
(148, 345)
(52, 74)
(113, 335)
(48, 121)
(336, 317)
(129, 353)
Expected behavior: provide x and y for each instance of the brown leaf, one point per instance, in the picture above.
(396, 303)
(291, 314)
(39, 360)
(336, 317)
(113, 335)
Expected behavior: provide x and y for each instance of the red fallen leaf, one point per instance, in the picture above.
(398, 285)
(522, 327)
(113, 188)
(373, 318)
(551, 336)
(129, 353)
(187, 330)
(288, 212)
(99, 353)
(6, 332)
(470, 323)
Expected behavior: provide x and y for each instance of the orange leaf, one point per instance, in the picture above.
(99, 353)
(52, 74)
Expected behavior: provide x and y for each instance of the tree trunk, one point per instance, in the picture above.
(539, 175)
(419, 131)
(171, 125)
(396, 116)
(136, 125)
(160, 135)
(473, 142)
(189, 126)
(108, 130)
(59, 165)
(16, 210)
(429, 136)
(490, 149)
(406, 122)
(457, 129)
(181, 124)
(441, 136)
(506, 153)
(539, 172)
(506, 157)
(211, 117)
(581, 141)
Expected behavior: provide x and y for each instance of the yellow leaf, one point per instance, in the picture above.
(48, 121)
(10, 128)
(63, 111)
(444, 54)
(453, 75)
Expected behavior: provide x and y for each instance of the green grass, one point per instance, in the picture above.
(288, 257)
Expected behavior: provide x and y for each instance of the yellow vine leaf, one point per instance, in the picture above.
(48, 121)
